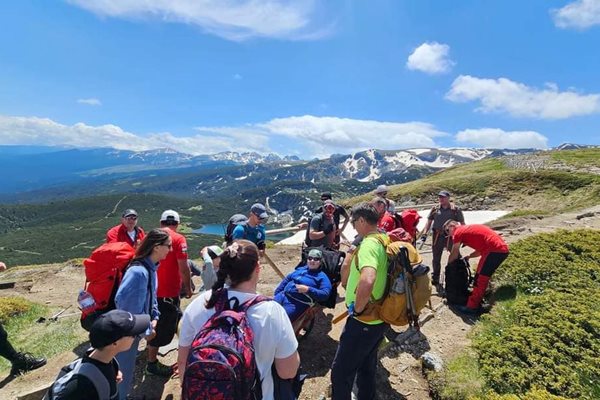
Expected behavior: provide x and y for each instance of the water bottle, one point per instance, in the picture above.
(85, 300)
(398, 286)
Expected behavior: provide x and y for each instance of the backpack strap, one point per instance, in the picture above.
(253, 301)
(90, 371)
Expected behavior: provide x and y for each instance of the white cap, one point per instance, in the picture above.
(381, 189)
(169, 215)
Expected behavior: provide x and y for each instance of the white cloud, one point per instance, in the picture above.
(431, 58)
(492, 138)
(232, 19)
(520, 100)
(90, 102)
(237, 76)
(580, 14)
(310, 135)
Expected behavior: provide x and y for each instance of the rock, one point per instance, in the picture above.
(432, 361)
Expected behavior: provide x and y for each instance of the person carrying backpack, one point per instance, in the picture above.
(487, 245)
(244, 357)
(253, 229)
(95, 376)
(137, 295)
(365, 282)
(322, 231)
(439, 214)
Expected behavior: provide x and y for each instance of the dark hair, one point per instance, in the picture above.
(154, 238)
(169, 222)
(237, 264)
(367, 211)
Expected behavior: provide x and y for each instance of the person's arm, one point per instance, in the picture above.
(345, 270)
(364, 289)
(322, 292)
(387, 224)
(186, 277)
(454, 253)
(131, 295)
(238, 232)
(283, 283)
(182, 355)
(287, 368)
(111, 236)
(315, 224)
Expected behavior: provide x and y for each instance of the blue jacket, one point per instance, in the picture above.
(255, 234)
(316, 280)
(133, 294)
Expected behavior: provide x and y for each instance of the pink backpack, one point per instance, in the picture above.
(221, 364)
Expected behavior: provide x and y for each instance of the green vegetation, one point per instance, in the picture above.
(47, 338)
(526, 213)
(471, 183)
(68, 229)
(545, 341)
(578, 158)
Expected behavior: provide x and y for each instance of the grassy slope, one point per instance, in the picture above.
(62, 230)
(544, 191)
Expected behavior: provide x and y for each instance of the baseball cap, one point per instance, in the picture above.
(326, 196)
(315, 253)
(259, 210)
(328, 203)
(116, 324)
(129, 212)
(214, 251)
(444, 193)
(381, 189)
(170, 215)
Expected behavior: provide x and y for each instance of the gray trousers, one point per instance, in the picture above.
(440, 242)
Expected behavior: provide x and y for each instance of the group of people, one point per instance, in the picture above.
(148, 298)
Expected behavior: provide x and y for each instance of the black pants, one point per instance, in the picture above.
(440, 242)
(170, 313)
(356, 357)
(6, 349)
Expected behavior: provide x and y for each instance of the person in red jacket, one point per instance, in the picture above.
(173, 277)
(127, 231)
(486, 244)
(386, 222)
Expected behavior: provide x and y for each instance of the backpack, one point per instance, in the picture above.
(458, 278)
(331, 265)
(78, 367)
(235, 220)
(104, 270)
(410, 219)
(221, 363)
(404, 267)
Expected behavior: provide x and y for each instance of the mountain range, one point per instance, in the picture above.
(288, 184)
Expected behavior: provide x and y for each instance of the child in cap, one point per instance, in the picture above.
(96, 375)
(303, 287)
(210, 255)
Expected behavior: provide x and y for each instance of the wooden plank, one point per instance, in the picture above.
(7, 285)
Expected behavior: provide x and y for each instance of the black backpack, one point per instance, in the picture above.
(458, 279)
(78, 367)
(235, 220)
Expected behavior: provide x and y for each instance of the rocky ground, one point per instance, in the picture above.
(400, 374)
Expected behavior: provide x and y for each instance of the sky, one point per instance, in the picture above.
(299, 77)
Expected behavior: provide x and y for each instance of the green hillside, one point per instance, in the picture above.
(567, 181)
(62, 230)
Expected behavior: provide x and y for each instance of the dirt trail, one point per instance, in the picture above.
(400, 374)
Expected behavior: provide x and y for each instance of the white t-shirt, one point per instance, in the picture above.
(273, 333)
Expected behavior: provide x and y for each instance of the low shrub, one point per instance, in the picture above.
(545, 342)
(13, 306)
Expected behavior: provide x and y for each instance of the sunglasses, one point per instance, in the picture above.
(132, 217)
(314, 258)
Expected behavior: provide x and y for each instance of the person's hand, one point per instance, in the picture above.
(2, 266)
(423, 237)
(302, 288)
(188, 292)
(204, 252)
(328, 229)
(119, 377)
(152, 334)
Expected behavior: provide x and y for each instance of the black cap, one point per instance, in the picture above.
(116, 324)
(326, 196)
(444, 193)
(128, 212)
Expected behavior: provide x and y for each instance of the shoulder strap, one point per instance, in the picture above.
(253, 301)
(97, 378)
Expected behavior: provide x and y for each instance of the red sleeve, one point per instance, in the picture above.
(141, 234)
(112, 235)
(180, 248)
(387, 223)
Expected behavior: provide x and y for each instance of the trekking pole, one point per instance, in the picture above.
(277, 270)
(408, 279)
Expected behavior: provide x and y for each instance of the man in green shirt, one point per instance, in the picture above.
(364, 278)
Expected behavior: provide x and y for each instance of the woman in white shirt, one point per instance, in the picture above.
(274, 339)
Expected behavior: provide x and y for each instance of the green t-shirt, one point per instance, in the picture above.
(371, 253)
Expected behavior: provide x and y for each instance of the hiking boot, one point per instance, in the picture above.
(25, 362)
(159, 369)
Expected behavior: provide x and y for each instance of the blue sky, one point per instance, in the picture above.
(300, 77)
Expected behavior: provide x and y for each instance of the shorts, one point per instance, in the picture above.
(170, 314)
